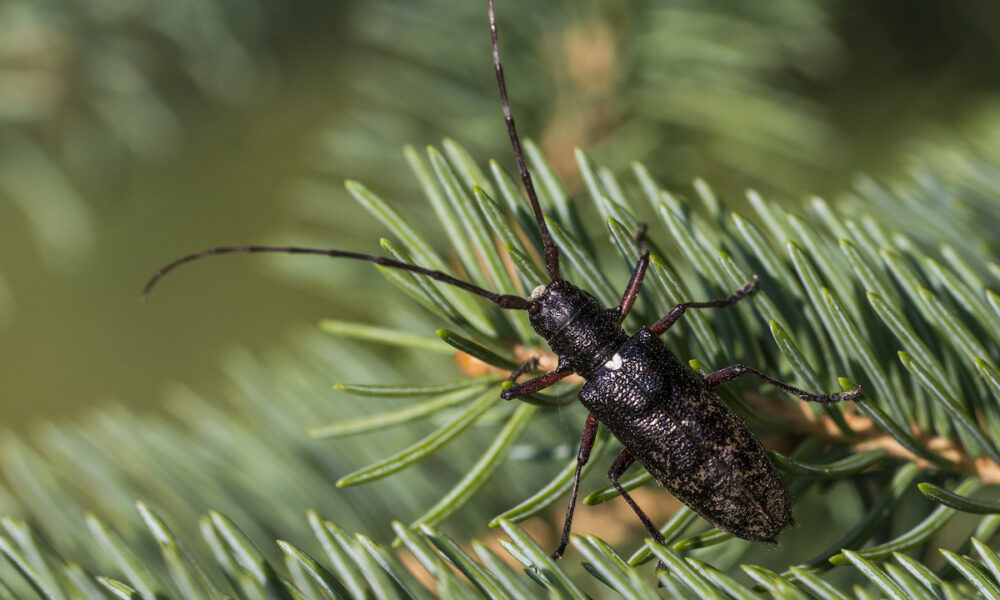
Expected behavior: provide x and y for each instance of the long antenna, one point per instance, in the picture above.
(501, 300)
(551, 250)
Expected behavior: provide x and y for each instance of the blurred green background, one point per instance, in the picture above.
(132, 132)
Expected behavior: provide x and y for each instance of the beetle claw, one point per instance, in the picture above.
(660, 566)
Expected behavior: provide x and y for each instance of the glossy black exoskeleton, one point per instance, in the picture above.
(664, 414)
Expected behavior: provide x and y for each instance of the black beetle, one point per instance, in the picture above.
(664, 414)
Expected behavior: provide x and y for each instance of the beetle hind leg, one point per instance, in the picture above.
(582, 456)
(730, 373)
(618, 468)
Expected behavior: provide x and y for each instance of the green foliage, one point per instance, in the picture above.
(86, 91)
(851, 296)
(893, 287)
(353, 566)
(730, 85)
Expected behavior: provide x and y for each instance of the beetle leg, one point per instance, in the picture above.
(676, 312)
(640, 237)
(632, 289)
(586, 444)
(731, 373)
(533, 385)
(526, 367)
(618, 468)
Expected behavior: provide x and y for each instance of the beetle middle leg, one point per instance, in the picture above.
(582, 456)
(675, 313)
(734, 371)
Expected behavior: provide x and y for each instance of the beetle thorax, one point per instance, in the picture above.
(578, 328)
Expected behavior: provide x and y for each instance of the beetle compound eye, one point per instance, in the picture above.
(538, 292)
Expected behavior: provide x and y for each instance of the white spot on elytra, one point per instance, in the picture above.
(615, 363)
(538, 292)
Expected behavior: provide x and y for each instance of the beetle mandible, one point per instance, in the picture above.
(665, 415)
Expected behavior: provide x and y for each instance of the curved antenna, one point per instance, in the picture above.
(501, 300)
(551, 250)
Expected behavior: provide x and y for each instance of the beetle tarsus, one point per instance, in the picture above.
(732, 372)
(640, 237)
(526, 367)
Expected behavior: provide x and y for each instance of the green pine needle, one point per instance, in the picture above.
(844, 299)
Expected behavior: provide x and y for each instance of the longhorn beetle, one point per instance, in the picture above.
(664, 414)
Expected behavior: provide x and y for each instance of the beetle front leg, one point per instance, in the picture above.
(618, 468)
(675, 313)
(582, 456)
(526, 367)
(635, 283)
(731, 373)
(533, 385)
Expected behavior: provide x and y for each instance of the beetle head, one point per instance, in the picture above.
(553, 305)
